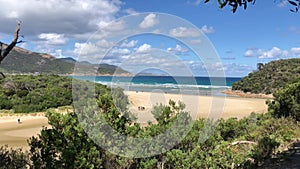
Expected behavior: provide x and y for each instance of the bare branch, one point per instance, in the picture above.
(242, 142)
(12, 44)
(2, 74)
(21, 41)
(1, 45)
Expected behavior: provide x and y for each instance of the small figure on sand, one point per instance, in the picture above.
(19, 121)
(141, 108)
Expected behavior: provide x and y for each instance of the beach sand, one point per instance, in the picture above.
(197, 106)
(15, 135)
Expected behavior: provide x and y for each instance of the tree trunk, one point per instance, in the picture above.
(5, 52)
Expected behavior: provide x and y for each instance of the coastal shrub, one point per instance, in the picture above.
(286, 102)
(29, 93)
(13, 158)
(272, 77)
(67, 145)
(5, 103)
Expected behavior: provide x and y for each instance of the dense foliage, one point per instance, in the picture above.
(286, 102)
(11, 158)
(38, 93)
(235, 4)
(35, 93)
(67, 145)
(273, 76)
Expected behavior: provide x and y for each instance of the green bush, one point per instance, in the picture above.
(26, 94)
(286, 102)
(273, 76)
(11, 158)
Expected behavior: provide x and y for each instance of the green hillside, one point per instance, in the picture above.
(31, 93)
(23, 61)
(271, 77)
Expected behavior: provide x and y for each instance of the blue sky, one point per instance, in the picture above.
(264, 32)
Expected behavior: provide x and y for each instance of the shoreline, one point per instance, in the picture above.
(239, 93)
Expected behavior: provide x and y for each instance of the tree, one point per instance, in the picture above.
(5, 52)
(286, 102)
(13, 158)
(260, 66)
(64, 145)
(244, 3)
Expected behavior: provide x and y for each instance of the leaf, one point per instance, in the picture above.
(240, 3)
(293, 3)
(220, 2)
(223, 4)
(234, 9)
(245, 5)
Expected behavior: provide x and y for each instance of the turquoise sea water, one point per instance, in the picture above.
(166, 84)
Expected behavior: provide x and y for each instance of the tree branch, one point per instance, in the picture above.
(2, 74)
(12, 44)
(242, 142)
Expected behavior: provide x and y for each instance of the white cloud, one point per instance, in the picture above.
(61, 16)
(207, 30)
(137, 62)
(58, 53)
(143, 48)
(295, 51)
(178, 50)
(104, 43)
(22, 45)
(275, 52)
(48, 25)
(88, 52)
(120, 51)
(184, 32)
(53, 38)
(149, 21)
(129, 44)
(130, 11)
(233, 69)
(112, 26)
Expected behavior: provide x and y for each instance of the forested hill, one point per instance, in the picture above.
(270, 77)
(24, 61)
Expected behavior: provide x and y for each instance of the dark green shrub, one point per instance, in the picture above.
(286, 102)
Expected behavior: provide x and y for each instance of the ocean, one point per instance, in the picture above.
(166, 84)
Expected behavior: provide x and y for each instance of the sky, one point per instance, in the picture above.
(182, 37)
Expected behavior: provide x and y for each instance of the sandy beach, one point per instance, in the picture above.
(15, 135)
(197, 106)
